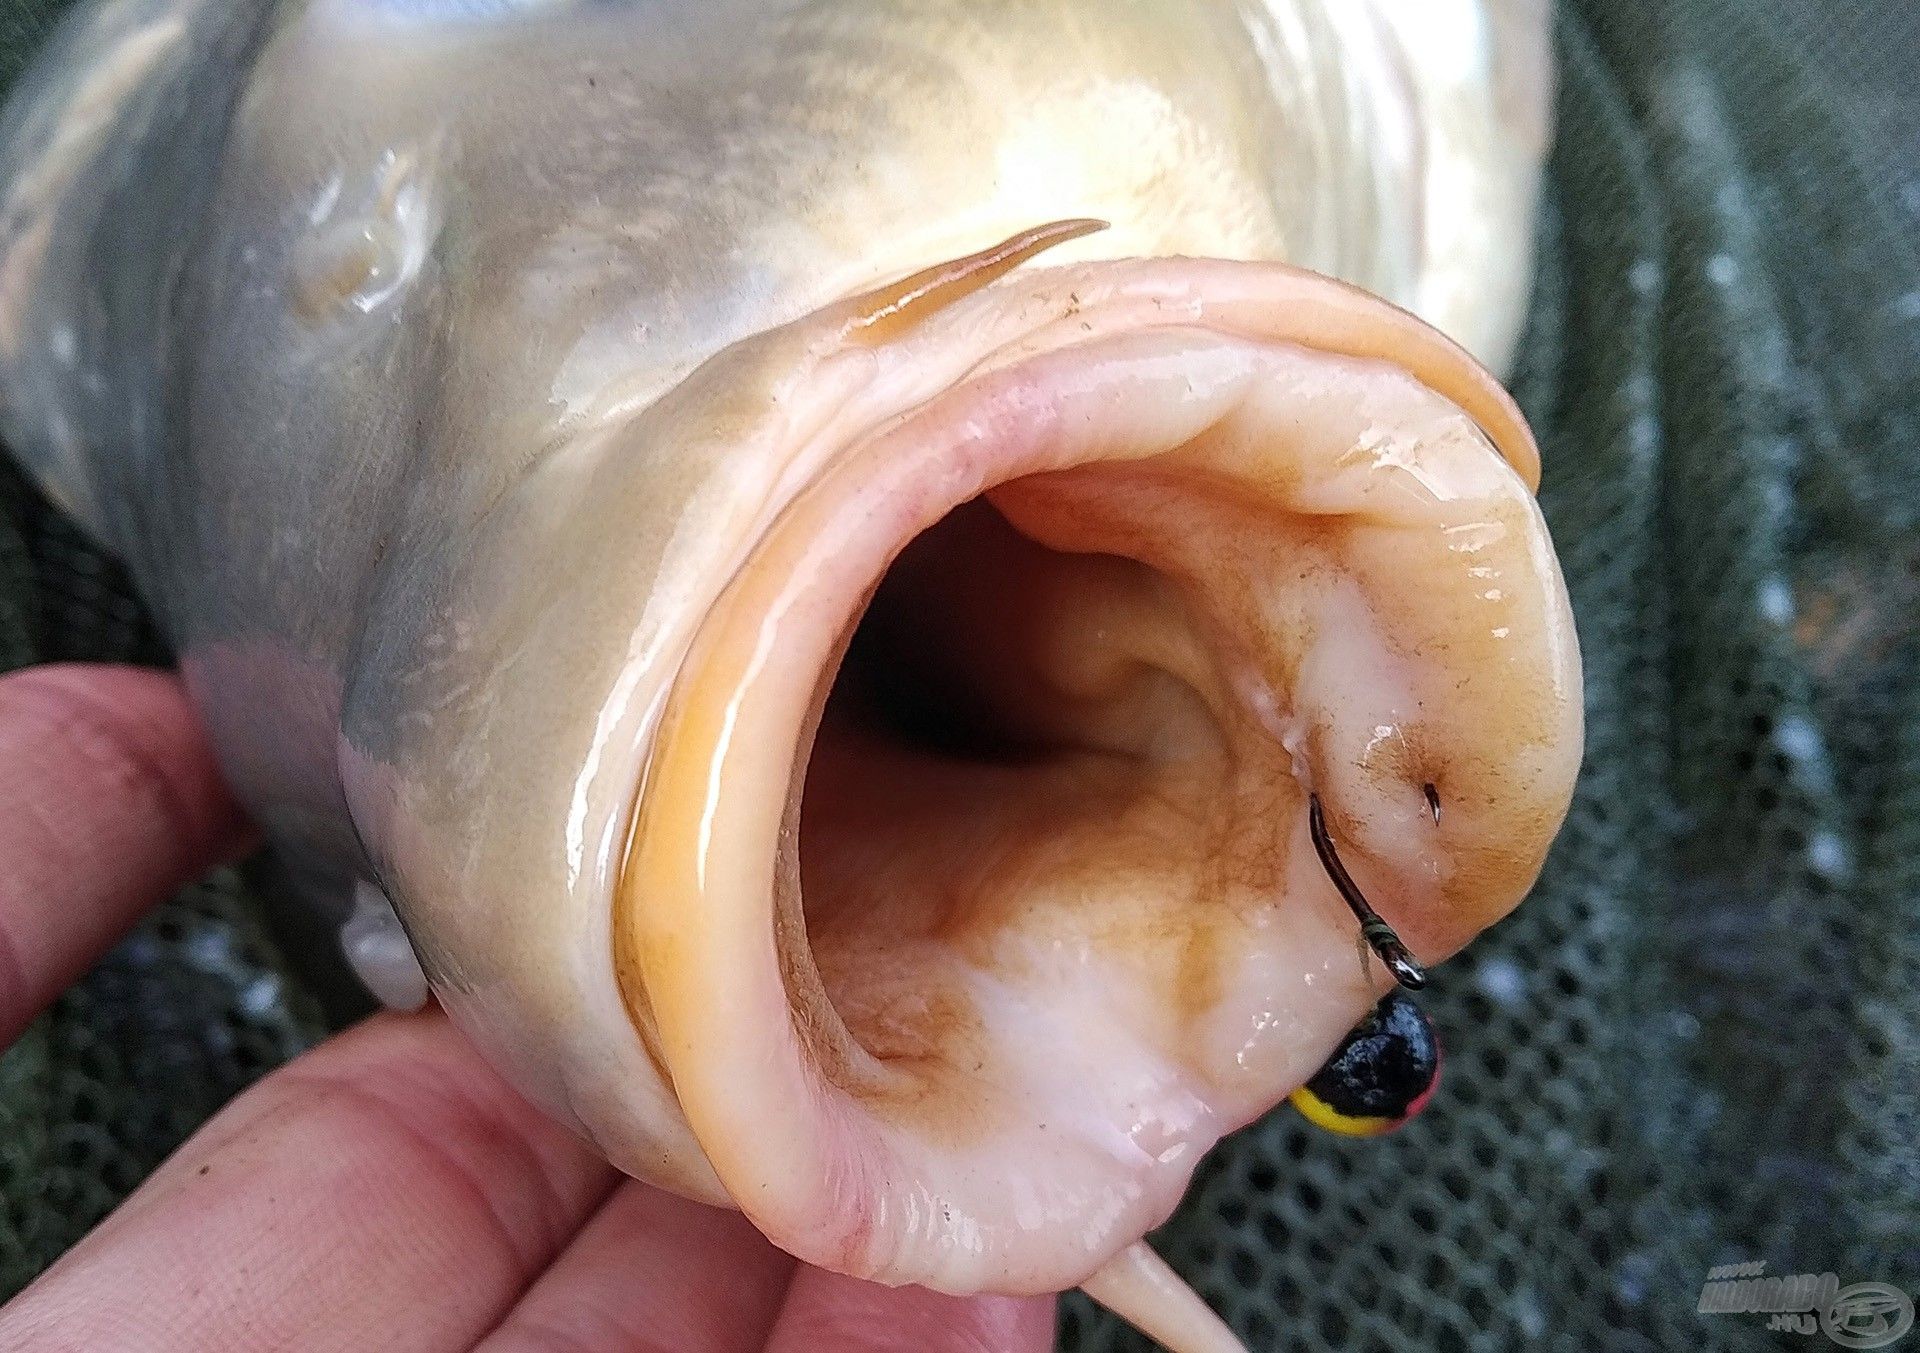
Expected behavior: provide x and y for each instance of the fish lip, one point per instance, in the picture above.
(815, 1055)
(688, 989)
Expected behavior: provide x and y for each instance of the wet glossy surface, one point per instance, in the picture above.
(1129, 888)
(457, 396)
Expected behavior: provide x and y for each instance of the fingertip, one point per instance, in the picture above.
(133, 730)
(386, 1186)
(111, 800)
(830, 1310)
(653, 1271)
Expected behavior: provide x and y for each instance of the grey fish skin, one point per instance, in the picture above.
(408, 350)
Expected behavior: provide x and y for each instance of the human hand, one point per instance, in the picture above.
(386, 1190)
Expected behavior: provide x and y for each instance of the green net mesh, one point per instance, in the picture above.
(1699, 1043)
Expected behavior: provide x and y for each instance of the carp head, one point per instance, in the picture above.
(848, 751)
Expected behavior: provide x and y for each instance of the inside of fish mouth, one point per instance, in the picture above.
(1034, 802)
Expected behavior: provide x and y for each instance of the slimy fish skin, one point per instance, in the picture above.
(816, 656)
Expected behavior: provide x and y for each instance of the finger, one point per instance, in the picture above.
(657, 1272)
(386, 1191)
(109, 801)
(826, 1310)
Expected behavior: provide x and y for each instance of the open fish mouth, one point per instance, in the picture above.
(969, 896)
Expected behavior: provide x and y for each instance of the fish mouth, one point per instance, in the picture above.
(970, 898)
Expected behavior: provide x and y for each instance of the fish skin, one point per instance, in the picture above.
(366, 331)
(708, 171)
